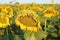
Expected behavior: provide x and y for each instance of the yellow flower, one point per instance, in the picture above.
(9, 12)
(33, 9)
(4, 20)
(37, 8)
(3, 6)
(41, 8)
(25, 6)
(49, 12)
(59, 10)
(2, 9)
(28, 20)
(16, 9)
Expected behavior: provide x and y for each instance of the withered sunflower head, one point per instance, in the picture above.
(28, 20)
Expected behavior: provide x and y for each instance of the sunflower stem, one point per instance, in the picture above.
(45, 27)
(7, 31)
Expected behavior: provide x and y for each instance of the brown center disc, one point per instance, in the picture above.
(28, 20)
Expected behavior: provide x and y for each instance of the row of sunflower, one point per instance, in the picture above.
(29, 21)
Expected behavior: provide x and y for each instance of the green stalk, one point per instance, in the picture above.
(45, 27)
(7, 31)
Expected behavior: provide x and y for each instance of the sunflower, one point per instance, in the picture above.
(25, 6)
(3, 6)
(41, 7)
(49, 12)
(4, 20)
(37, 8)
(2, 9)
(33, 9)
(16, 8)
(9, 11)
(28, 20)
(59, 10)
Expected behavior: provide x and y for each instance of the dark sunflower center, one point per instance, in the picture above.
(28, 20)
(8, 9)
(49, 11)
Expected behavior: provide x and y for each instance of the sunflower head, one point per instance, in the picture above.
(41, 8)
(35, 9)
(4, 21)
(2, 8)
(25, 6)
(9, 11)
(49, 12)
(28, 20)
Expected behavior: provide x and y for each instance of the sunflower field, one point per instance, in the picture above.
(29, 21)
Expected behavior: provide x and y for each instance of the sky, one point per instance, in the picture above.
(29, 1)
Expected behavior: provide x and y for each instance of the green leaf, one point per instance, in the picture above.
(59, 33)
(54, 34)
(51, 28)
(54, 19)
(15, 12)
(17, 37)
(27, 35)
(40, 35)
(41, 15)
(4, 38)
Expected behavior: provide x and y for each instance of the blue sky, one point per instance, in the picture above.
(30, 1)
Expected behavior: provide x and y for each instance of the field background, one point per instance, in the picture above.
(50, 24)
